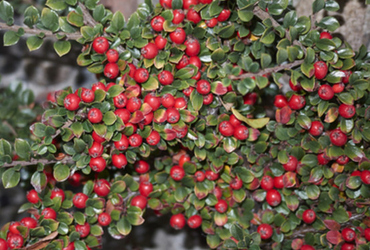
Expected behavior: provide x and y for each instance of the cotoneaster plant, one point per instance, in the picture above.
(187, 117)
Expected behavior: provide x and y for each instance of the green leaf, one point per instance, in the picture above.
(227, 31)
(331, 5)
(245, 15)
(23, 149)
(115, 90)
(11, 38)
(61, 172)
(62, 47)
(318, 5)
(38, 181)
(6, 12)
(340, 215)
(11, 178)
(117, 23)
(56, 4)
(75, 19)
(325, 44)
(151, 84)
(118, 187)
(99, 12)
(109, 118)
(31, 16)
(329, 23)
(268, 36)
(196, 100)
(123, 226)
(265, 60)
(34, 43)
(50, 19)
(5, 148)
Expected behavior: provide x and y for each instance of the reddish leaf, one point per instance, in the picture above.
(187, 116)
(331, 115)
(160, 116)
(253, 134)
(334, 237)
(145, 108)
(218, 88)
(297, 244)
(133, 91)
(283, 115)
(169, 134)
(136, 117)
(289, 179)
(332, 225)
(253, 185)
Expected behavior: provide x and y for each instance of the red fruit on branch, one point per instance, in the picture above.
(178, 16)
(3, 244)
(160, 42)
(338, 138)
(100, 45)
(157, 23)
(135, 140)
(56, 192)
(120, 101)
(338, 88)
(280, 101)
(221, 206)
(153, 138)
(13, 227)
(199, 176)
(296, 102)
(365, 177)
(177, 221)
(168, 101)
(98, 85)
(79, 200)
(224, 15)
(167, 4)
(102, 187)
(141, 75)
(33, 196)
(348, 246)
(326, 92)
(139, 201)
(72, 102)
(141, 167)
(95, 115)
(326, 35)
(226, 129)
(265, 231)
(342, 160)
(292, 164)
(203, 87)
(347, 111)
(348, 234)
(322, 159)
(296, 87)
(178, 36)
(177, 173)
(119, 160)
(28, 222)
(192, 46)
(145, 188)
(111, 70)
(133, 104)
(278, 182)
(273, 197)
(112, 55)
(98, 164)
(104, 219)
(173, 115)
(87, 95)
(15, 241)
(307, 247)
(149, 51)
(321, 70)
(83, 230)
(195, 221)
(309, 216)
(267, 182)
(316, 128)
(165, 77)
(122, 144)
(49, 213)
(250, 98)
(186, 4)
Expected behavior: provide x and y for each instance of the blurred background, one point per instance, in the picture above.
(43, 71)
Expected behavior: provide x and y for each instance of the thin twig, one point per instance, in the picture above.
(268, 70)
(48, 33)
(65, 160)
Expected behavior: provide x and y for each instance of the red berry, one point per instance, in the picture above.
(133, 104)
(267, 182)
(224, 15)
(296, 102)
(321, 69)
(199, 176)
(122, 144)
(322, 159)
(83, 230)
(184, 158)
(153, 101)
(347, 111)
(348, 246)
(141, 167)
(100, 45)
(3, 244)
(307, 247)
(97, 137)
(160, 42)
(145, 188)
(296, 87)
(56, 192)
(338, 138)
(135, 140)
(367, 234)
(177, 221)
(316, 128)
(87, 95)
(326, 35)
(120, 100)
(292, 164)
(195, 60)
(111, 70)
(180, 103)
(234, 121)
(178, 16)
(102, 187)
(342, 160)
(187, 92)
(203, 87)
(49, 213)
(98, 164)
(365, 177)
(326, 92)
(236, 183)
(226, 129)
(98, 85)
(178, 36)
(338, 87)
(192, 46)
(33, 197)
(112, 55)
(167, 4)
(124, 114)
(345, 79)
(212, 22)
(278, 182)
(273, 197)
(173, 115)
(221, 206)
(72, 102)
(28, 222)
(119, 160)
(194, 221)
(132, 71)
(13, 227)
(154, 138)
(95, 115)
(75, 179)
(205, 1)
(177, 173)
(104, 219)
(184, 61)
(309, 216)
(141, 75)
(212, 176)
(139, 201)
(250, 98)
(149, 51)
(348, 234)
(265, 231)
(157, 23)
(241, 132)
(79, 200)
(168, 101)
(165, 77)
(280, 101)
(15, 241)
(193, 16)
(186, 4)
(356, 173)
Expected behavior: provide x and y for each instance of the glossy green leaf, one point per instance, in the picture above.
(10, 178)
(34, 43)
(22, 149)
(62, 47)
(11, 38)
(61, 172)
(56, 4)
(49, 19)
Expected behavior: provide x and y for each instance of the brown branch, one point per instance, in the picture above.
(65, 160)
(48, 33)
(60, 130)
(268, 70)
(88, 19)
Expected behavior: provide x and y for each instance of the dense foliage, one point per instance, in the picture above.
(189, 118)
